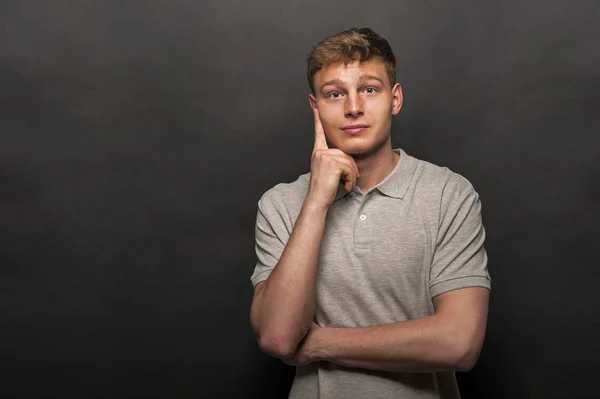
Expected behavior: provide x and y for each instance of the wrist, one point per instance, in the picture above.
(313, 206)
(318, 352)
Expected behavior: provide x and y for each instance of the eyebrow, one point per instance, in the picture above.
(361, 80)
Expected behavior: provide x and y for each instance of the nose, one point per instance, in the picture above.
(354, 106)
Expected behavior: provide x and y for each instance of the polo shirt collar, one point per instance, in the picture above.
(396, 183)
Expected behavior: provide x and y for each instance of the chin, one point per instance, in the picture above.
(359, 151)
(360, 147)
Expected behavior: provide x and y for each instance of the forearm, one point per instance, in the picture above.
(427, 344)
(284, 309)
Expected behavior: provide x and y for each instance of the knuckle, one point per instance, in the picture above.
(325, 154)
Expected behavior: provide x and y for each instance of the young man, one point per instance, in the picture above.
(372, 275)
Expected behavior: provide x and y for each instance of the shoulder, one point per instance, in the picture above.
(442, 193)
(285, 197)
(441, 182)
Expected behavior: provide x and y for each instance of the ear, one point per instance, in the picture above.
(397, 99)
(312, 101)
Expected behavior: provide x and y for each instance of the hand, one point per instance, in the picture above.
(328, 167)
(306, 352)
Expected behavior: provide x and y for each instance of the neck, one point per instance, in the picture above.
(376, 167)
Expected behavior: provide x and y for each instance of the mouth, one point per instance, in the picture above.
(355, 129)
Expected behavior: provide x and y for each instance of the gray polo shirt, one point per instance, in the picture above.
(384, 256)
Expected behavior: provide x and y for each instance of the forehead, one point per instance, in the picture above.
(351, 71)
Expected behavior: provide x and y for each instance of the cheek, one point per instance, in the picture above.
(328, 115)
(380, 109)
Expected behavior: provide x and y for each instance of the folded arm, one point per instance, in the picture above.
(449, 340)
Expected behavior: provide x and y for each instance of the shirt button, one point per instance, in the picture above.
(353, 195)
(362, 217)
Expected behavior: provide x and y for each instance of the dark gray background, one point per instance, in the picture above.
(137, 137)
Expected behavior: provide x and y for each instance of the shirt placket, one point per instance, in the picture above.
(361, 218)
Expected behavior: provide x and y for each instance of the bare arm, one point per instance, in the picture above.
(284, 304)
(450, 340)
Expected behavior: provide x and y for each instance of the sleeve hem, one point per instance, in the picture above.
(459, 282)
(260, 277)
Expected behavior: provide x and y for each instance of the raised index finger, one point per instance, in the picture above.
(320, 141)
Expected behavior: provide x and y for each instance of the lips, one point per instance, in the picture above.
(355, 129)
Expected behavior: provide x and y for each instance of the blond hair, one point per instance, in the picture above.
(353, 44)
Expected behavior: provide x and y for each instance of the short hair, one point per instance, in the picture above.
(360, 44)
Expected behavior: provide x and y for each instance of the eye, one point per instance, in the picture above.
(370, 90)
(335, 94)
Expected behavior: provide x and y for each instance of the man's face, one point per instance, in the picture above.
(357, 93)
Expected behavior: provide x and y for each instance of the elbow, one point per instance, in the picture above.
(466, 357)
(277, 345)
(275, 341)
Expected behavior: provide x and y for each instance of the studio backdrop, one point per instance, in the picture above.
(136, 138)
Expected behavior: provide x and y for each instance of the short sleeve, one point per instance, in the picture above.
(460, 259)
(271, 237)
